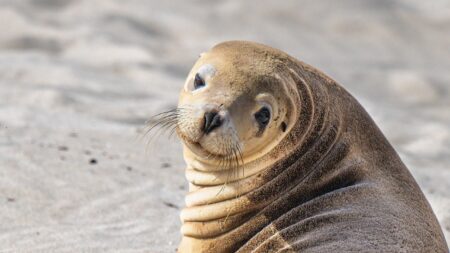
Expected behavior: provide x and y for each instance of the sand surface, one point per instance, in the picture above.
(78, 79)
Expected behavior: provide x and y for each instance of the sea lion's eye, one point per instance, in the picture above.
(263, 116)
(198, 82)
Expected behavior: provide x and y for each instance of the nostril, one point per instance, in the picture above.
(212, 121)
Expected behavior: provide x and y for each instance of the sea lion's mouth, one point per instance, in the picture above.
(197, 148)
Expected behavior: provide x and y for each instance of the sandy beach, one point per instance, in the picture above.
(78, 80)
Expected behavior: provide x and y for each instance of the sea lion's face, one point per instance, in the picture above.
(230, 105)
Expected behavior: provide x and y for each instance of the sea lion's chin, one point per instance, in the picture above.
(203, 148)
(214, 145)
(217, 145)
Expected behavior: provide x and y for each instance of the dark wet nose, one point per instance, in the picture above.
(212, 121)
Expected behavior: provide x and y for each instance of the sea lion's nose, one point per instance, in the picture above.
(212, 121)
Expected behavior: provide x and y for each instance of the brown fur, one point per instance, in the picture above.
(334, 183)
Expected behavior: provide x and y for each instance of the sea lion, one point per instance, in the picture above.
(280, 158)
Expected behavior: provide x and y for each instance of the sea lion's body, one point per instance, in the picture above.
(331, 183)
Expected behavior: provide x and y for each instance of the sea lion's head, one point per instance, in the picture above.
(236, 101)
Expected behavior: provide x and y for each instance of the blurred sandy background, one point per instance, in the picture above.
(78, 79)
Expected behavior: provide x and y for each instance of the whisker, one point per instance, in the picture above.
(163, 123)
(239, 151)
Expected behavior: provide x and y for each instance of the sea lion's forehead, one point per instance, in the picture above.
(240, 67)
(234, 61)
(236, 80)
(226, 68)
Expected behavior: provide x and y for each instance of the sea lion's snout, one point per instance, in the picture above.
(208, 127)
(217, 131)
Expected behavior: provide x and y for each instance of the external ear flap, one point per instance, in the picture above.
(283, 126)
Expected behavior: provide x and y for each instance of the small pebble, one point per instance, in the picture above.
(168, 204)
(63, 148)
(93, 161)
